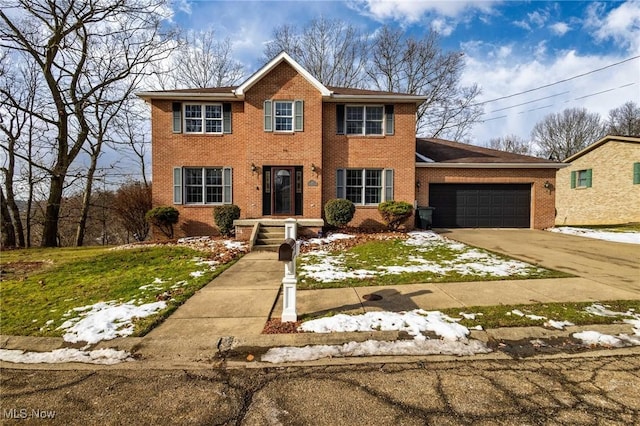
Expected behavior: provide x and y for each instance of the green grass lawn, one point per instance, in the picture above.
(627, 227)
(392, 262)
(502, 316)
(40, 286)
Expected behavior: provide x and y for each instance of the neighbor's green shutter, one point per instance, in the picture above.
(589, 174)
(636, 173)
(340, 184)
(340, 119)
(268, 120)
(177, 117)
(298, 107)
(226, 117)
(388, 185)
(177, 185)
(573, 179)
(388, 112)
(227, 183)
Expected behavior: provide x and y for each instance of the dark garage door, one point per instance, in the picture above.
(480, 205)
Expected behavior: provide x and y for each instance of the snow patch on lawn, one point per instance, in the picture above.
(453, 337)
(618, 237)
(106, 321)
(327, 267)
(98, 356)
(375, 348)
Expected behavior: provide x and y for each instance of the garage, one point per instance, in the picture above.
(480, 205)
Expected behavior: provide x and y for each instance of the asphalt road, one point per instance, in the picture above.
(583, 390)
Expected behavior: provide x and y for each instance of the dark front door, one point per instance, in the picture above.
(282, 190)
(282, 200)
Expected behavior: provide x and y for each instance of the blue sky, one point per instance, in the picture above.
(509, 46)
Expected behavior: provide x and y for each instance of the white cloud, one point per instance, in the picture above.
(560, 28)
(411, 11)
(621, 24)
(500, 75)
(442, 26)
(538, 18)
(522, 24)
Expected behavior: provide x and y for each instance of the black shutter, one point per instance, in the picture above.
(389, 125)
(340, 119)
(176, 108)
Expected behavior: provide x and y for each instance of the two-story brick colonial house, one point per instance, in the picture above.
(282, 144)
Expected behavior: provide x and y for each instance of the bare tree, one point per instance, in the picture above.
(80, 48)
(206, 61)
(560, 135)
(333, 51)
(624, 120)
(511, 143)
(407, 65)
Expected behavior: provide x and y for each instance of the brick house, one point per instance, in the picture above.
(282, 144)
(601, 185)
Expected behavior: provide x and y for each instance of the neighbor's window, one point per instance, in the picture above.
(364, 120)
(582, 179)
(206, 185)
(203, 118)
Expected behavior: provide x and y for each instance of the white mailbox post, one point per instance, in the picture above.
(287, 253)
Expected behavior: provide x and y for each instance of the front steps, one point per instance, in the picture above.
(269, 238)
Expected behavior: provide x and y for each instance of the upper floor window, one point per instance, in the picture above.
(203, 118)
(207, 118)
(283, 116)
(365, 120)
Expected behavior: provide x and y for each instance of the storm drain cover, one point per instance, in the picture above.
(372, 297)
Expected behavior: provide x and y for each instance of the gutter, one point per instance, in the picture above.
(491, 165)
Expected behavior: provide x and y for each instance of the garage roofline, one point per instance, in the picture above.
(492, 165)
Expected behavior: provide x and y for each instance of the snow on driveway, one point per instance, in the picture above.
(98, 356)
(324, 266)
(618, 237)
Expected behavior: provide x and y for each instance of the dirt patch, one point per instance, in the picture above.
(14, 270)
(275, 326)
(525, 348)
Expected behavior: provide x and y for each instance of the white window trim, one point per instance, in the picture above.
(364, 120)
(292, 116)
(203, 105)
(204, 186)
(383, 186)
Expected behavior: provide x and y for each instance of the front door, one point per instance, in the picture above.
(282, 190)
(282, 200)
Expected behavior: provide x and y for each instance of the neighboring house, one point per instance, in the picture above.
(282, 144)
(601, 185)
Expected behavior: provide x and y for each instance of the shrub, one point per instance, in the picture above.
(131, 203)
(339, 211)
(395, 212)
(224, 217)
(163, 218)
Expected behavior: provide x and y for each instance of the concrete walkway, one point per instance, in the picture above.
(238, 302)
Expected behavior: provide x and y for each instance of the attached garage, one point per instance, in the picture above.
(475, 187)
(481, 205)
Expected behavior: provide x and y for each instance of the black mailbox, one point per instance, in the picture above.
(286, 250)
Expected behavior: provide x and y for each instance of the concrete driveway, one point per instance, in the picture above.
(614, 264)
